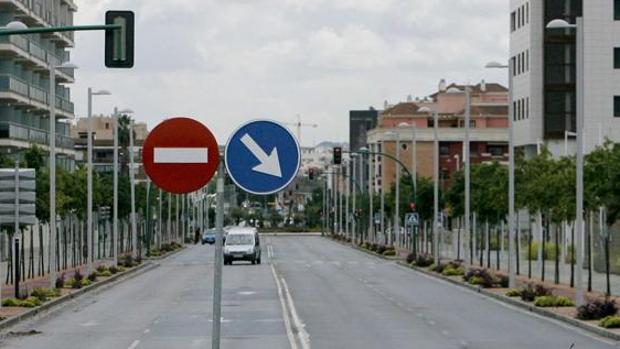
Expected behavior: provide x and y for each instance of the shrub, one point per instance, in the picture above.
(60, 281)
(480, 277)
(424, 260)
(128, 262)
(548, 253)
(553, 301)
(530, 293)
(113, 269)
(101, 268)
(44, 294)
(389, 253)
(120, 268)
(597, 309)
(502, 280)
(610, 322)
(513, 293)
(92, 277)
(380, 249)
(78, 276)
(11, 302)
(106, 273)
(453, 271)
(85, 282)
(31, 302)
(410, 258)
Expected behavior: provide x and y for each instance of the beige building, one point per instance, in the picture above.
(103, 143)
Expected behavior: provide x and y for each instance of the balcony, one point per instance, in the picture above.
(14, 89)
(13, 131)
(33, 14)
(33, 54)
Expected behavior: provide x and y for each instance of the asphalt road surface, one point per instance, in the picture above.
(314, 294)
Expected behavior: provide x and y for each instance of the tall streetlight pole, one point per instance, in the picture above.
(370, 197)
(397, 205)
(52, 145)
(511, 175)
(352, 213)
(89, 198)
(579, 26)
(132, 182)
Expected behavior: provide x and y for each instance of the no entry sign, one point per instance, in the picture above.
(180, 155)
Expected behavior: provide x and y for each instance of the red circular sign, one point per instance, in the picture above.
(180, 155)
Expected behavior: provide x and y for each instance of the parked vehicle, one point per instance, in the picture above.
(242, 244)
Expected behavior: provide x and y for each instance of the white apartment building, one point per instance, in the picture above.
(544, 73)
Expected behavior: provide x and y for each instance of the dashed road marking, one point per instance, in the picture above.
(134, 345)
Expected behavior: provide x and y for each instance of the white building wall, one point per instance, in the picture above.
(602, 81)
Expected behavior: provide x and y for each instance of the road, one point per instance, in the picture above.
(339, 298)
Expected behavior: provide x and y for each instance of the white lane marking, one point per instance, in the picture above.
(134, 345)
(246, 293)
(287, 321)
(91, 323)
(304, 337)
(270, 254)
(147, 331)
(181, 155)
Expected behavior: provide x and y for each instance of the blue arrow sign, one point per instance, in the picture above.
(262, 157)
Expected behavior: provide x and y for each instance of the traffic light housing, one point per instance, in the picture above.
(337, 155)
(119, 43)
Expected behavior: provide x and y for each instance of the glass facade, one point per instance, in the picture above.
(560, 69)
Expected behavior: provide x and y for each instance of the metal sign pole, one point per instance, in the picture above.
(217, 274)
(16, 254)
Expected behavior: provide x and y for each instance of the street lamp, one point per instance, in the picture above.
(52, 145)
(15, 25)
(435, 181)
(89, 198)
(579, 26)
(511, 175)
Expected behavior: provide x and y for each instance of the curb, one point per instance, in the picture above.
(290, 234)
(525, 306)
(499, 297)
(14, 320)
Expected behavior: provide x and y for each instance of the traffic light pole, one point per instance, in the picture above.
(71, 28)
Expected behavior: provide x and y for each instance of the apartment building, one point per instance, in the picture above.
(25, 62)
(394, 133)
(544, 73)
(103, 143)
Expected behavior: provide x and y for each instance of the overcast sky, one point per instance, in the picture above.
(224, 62)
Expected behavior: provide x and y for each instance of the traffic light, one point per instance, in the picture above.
(311, 174)
(337, 155)
(412, 207)
(119, 43)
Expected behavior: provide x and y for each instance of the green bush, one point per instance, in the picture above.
(477, 280)
(105, 273)
(113, 269)
(85, 282)
(31, 302)
(453, 271)
(548, 253)
(390, 253)
(597, 309)
(11, 302)
(424, 260)
(610, 322)
(44, 294)
(553, 301)
(513, 293)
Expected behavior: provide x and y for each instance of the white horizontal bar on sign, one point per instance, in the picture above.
(181, 155)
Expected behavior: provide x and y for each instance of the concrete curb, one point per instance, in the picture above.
(520, 304)
(499, 297)
(54, 303)
(290, 234)
(165, 255)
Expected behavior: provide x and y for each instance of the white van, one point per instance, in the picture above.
(242, 244)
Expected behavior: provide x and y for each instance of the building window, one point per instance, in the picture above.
(514, 111)
(107, 125)
(617, 106)
(527, 108)
(527, 12)
(430, 123)
(617, 10)
(496, 150)
(527, 61)
(617, 58)
(513, 20)
(444, 150)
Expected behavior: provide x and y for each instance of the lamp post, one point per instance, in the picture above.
(132, 183)
(89, 199)
(435, 181)
(52, 145)
(579, 26)
(512, 261)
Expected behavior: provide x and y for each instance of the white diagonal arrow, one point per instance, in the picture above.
(269, 164)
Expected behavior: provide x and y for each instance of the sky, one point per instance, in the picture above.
(225, 62)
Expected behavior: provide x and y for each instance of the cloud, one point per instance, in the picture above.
(228, 61)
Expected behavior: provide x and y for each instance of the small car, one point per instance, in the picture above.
(208, 237)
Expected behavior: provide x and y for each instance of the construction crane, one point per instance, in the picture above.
(299, 125)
